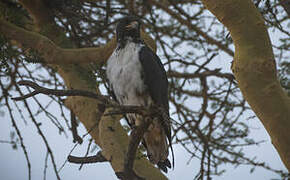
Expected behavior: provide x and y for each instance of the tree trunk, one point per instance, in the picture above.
(254, 68)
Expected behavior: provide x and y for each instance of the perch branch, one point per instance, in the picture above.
(42, 90)
(135, 139)
(106, 101)
(86, 160)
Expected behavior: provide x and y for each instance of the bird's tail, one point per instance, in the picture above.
(157, 146)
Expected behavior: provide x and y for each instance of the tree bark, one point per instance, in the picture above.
(254, 68)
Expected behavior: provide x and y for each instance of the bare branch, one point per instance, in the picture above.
(286, 5)
(104, 100)
(192, 26)
(76, 137)
(38, 89)
(52, 53)
(89, 159)
(216, 73)
(135, 138)
(14, 124)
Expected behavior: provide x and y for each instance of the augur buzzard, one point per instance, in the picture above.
(137, 77)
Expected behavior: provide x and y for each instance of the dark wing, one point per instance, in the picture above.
(156, 81)
(154, 76)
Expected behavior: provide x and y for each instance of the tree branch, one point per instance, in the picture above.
(209, 39)
(286, 5)
(215, 73)
(38, 89)
(110, 130)
(255, 69)
(86, 160)
(76, 137)
(105, 100)
(135, 139)
(54, 54)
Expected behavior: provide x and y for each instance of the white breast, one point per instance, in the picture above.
(124, 72)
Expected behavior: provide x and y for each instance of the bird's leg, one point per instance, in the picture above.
(135, 139)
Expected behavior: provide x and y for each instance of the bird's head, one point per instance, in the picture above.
(128, 27)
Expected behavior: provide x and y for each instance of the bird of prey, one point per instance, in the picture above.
(137, 77)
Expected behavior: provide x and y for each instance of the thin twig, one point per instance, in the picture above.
(62, 166)
(40, 133)
(45, 166)
(14, 124)
(76, 137)
(87, 152)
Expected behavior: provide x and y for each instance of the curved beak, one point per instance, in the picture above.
(132, 25)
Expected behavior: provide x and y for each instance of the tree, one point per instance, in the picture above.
(71, 41)
(255, 70)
